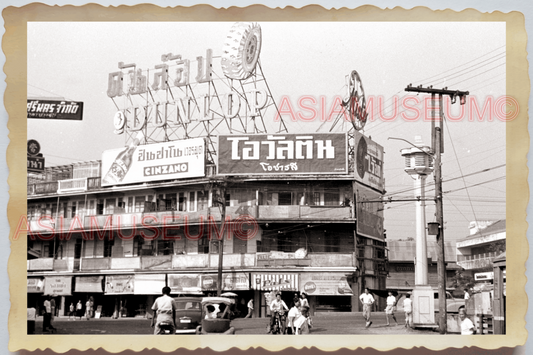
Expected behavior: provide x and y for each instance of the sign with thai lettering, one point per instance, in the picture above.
(55, 109)
(58, 285)
(323, 283)
(272, 154)
(368, 212)
(185, 283)
(162, 161)
(230, 281)
(484, 276)
(119, 284)
(368, 162)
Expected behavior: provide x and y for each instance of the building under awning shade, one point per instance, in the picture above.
(89, 284)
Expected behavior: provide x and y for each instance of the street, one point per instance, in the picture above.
(335, 323)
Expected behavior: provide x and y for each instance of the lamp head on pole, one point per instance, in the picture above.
(433, 228)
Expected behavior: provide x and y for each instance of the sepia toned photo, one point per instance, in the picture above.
(283, 183)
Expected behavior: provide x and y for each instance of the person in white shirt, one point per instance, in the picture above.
(277, 306)
(389, 310)
(250, 308)
(164, 311)
(32, 315)
(408, 309)
(367, 300)
(467, 327)
(467, 295)
(304, 303)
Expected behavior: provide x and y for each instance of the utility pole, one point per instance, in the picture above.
(437, 145)
(220, 199)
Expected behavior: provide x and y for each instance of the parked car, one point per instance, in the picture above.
(188, 314)
(452, 304)
(215, 316)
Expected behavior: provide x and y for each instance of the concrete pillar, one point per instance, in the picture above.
(421, 268)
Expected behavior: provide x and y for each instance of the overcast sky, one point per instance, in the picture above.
(73, 60)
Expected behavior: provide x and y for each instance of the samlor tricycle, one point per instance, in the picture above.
(215, 316)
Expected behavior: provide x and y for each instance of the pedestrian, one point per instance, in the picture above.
(389, 310)
(79, 309)
(367, 300)
(71, 311)
(467, 295)
(467, 327)
(250, 308)
(164, 311)
(408, 309)
(304, 303)
(294, 313)
(31, 316)
(47, 317)
(88, 309)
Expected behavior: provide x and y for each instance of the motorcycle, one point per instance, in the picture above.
(279, 322)
(166, 328)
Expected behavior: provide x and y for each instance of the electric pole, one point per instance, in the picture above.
(437, 146)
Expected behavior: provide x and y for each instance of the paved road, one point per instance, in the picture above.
(344, 323)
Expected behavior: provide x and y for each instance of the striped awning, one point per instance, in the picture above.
(270, 282)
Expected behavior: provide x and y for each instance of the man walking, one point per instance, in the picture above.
(408, 309)
(367, 300)
(164, 311)
(467, 327)
(250, 308)
(389, 311)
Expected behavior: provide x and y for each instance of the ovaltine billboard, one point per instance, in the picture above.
(163, 161)
(274, 154)
(368, 162)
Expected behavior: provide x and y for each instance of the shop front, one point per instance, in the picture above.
(266, 285)
(235, 284)
(58, 287)
(185, 284)
(88, 288)
(35, 292)
(147, 288)
(120, 299)
(327, 291)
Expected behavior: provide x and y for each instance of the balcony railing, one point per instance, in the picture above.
(42, 188)
(72, 185)
(476, 262)
(93, 183)
(477, 256)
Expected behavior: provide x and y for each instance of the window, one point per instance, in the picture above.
(192, 200)
(316, 198)
(77, 249)
(73, 209)
(203, 245)
(110, 205)
(165, 247)
(100, 207)
(182, 202)
(202, 200)
(331, 199)
(108, 247)
(129, 208)
(285, 198)
(139, 203)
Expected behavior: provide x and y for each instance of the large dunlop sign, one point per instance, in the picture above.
(287, 154)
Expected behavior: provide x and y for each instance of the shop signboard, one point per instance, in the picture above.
(119, 284)
(368, 212)
(58, 285)
(368, 162)
(235, 281)
(323, 284)
(150, 284)
(269, 282)
(35, 285)
(162, 161)
(282, 154)
(55, 109)
(185, 283)
(88, 284)
(484, 276)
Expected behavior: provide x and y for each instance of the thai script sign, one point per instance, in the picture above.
(325, 284)
(368, 212)
(58, 286)
(162, 161)
(272, 154)
(55, 109)
(230, 281)
(368, 162)
(119, 284)
(185, 283)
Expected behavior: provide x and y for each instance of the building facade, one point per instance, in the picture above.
(118, 242)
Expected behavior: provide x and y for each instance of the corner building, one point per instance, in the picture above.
(296, 212)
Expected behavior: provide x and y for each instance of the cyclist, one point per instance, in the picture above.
(277, 308)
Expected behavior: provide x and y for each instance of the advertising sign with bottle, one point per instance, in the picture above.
(323, 284)
(368, 162)
(162, 161)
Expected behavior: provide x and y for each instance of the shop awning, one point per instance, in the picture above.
(234, 281)
(35, 285)
(91, 284)
(58, 285)
(119, 284)
(325, 284)
(185, 283)
(149, 284)
(269, 282)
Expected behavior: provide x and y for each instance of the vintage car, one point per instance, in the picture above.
(215, 316)
(452, 304)
(188, 314)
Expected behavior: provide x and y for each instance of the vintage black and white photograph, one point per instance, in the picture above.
(282, 179)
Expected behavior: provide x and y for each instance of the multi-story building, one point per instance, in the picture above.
(119, 242)
(486, 241)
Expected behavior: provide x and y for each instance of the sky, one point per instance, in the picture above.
(73, 60)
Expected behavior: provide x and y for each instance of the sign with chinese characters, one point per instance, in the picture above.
(55, 109)
(368, 212)
(230, 281)
(162, 161)
(368, 162)
(323, 283)
(288, 154)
